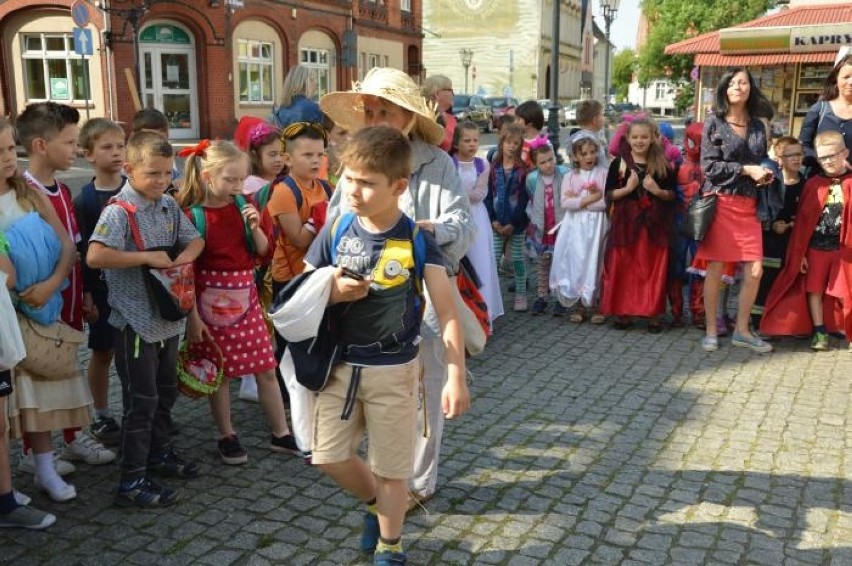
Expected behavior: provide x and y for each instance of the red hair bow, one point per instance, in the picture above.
(199, 150)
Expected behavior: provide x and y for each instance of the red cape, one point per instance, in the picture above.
(786, 312)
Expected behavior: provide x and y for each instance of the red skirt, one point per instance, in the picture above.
(735, 234)
(634, 279)
(228, 304)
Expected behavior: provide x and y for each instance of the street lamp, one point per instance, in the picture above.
(609, 8)
(466, 58)
(133, 16)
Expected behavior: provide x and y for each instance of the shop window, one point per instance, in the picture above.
(256, 61)
(53, 71)
(319, 60)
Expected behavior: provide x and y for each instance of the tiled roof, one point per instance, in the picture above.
(719, 60)
(840, 13)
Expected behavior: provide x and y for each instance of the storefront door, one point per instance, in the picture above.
(169, 79)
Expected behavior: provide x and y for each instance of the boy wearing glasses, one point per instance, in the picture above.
(813, 287)
(779, 202)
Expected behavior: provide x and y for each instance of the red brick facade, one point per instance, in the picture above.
(211, 23)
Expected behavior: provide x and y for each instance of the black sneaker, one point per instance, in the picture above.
(106, 430)
(144, 493)
(231, 452)
(559, 310)
(284, 443)
(539, 306)
(168, 464)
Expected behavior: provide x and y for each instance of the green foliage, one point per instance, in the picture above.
(623, 66)
(671, 21)
(685, 97)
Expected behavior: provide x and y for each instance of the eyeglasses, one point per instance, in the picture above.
(827, 158)
(793, 156)
(296, 129)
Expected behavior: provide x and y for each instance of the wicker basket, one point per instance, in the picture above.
(198, 376)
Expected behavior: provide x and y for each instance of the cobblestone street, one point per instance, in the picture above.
(585, 445)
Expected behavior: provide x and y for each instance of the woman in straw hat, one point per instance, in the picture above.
(436, 201)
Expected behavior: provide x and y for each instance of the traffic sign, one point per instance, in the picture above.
(82, 41)
(80, 13)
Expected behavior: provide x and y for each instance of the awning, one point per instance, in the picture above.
(719, 60)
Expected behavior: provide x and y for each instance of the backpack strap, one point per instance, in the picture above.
(479, 165)
(338, 228)
(240, 202)
(297, 192)
(326, 186)
(261, 197)
(200, 221)
(130, 210)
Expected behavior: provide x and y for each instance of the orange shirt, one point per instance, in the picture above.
(288, 260)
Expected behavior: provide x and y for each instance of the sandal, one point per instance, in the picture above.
(597, 318)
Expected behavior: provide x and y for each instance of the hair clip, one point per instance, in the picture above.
(199, 150)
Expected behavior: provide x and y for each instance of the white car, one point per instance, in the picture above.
(571, 112)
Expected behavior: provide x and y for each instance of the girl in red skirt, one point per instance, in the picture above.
(227, 315)
(640, 189)
(732, 147)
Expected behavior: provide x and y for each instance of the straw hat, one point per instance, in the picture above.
(347, 109)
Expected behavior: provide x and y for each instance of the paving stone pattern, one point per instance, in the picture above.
(585, 445)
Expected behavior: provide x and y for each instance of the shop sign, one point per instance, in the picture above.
(784, 39)
(820, 38)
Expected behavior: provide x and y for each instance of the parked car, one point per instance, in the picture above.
(474, 108)
(545, 105)
(571, 112)
(501, 105)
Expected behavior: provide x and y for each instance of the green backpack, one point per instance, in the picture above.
(200, 221)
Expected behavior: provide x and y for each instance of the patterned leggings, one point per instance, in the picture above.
(516, 245)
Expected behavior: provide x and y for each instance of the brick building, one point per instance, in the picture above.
(204, 63)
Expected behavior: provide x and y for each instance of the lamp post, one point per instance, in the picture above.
(132, 16)
(609, 8)
(553, 110)
(466, 58)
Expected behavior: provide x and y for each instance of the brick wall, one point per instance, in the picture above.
(210, 28)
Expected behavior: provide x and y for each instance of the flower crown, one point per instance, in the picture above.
(540, 141)
(260, 133)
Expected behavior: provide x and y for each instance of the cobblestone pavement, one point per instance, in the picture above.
(585, 445)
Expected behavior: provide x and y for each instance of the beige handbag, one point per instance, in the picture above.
(51, 350)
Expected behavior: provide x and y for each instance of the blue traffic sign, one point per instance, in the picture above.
(80, 13)
(82, 41)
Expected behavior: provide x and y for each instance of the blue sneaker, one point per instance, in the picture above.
(370, 536)
(144, 493)
(389, 558)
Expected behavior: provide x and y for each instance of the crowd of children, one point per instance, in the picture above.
(248, 223)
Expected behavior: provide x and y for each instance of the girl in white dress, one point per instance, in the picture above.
(473, 172)
(578, 253)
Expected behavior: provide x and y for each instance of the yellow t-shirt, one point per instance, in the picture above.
(288, 260)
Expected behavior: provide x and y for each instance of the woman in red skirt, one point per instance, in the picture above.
(732, 147)
(641, 189)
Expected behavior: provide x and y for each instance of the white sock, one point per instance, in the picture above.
(46, 471)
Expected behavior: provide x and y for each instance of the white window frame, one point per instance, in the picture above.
(405, 6)
(250, 62)
(68, 54)
(320, 60)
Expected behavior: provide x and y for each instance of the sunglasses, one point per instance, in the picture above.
(296, 129)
